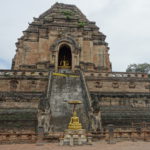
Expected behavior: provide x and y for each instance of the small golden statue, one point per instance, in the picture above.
(75, 134)
(64, 63)
(74, 122)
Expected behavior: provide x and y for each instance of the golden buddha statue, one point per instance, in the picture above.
(64, 63)
(74, 123)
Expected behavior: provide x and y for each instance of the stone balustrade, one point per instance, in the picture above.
(10, 73)
(7, 73)
(115, 75)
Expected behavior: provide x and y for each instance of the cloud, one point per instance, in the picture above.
(126, 25)
(4, 64)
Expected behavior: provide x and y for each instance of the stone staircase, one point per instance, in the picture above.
(64, 88)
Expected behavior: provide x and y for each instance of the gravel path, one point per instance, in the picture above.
(96, 146)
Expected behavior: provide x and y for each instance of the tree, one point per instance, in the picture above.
(139, 68)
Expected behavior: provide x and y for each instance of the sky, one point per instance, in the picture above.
(126, 23)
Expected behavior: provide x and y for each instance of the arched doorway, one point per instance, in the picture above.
(64, 57)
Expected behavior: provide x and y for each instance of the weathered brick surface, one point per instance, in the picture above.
(122, 98)
(66, 26)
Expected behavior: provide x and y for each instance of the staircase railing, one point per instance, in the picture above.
(86, 94)
(49, 86)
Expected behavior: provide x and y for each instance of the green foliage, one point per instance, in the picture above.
(68, 14)
(68, 17)
(139, 68)
(81, 24)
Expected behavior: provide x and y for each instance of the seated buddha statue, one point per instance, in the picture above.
(64, 63)
(74, 123)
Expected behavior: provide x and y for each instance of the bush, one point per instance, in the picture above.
(68, 14)
(81, 24)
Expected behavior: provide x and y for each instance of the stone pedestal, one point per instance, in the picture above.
(74, 137)
(40, 137)
(111, 134)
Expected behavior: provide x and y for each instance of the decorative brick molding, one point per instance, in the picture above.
(132, 85)
(13, 84)
(147, 86)
(115, 85)
(98, 84)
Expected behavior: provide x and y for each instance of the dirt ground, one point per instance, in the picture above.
(96, 146)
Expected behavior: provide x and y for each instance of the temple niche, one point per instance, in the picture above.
(62, 35)
(64, 57)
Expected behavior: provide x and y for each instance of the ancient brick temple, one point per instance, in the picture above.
(63, 56)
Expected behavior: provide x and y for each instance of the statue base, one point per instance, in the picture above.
(75, 137)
